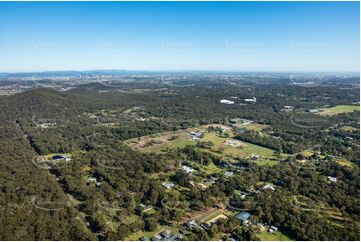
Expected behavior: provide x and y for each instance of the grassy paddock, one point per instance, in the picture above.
(182, 139)
(349, 129)
(339, 109)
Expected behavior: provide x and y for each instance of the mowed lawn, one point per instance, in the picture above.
(275, 236)
(339, 109)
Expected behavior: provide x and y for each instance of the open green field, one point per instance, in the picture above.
(339, 109)
(161, 141)
(345, 163)
(136, 236)
(275, 236)
(307, 153)
(243, 151)
(210, 216)
(266, 162)
(209, 169)
(349, 129)
(130, 219)
(255, 126)
(179, 139)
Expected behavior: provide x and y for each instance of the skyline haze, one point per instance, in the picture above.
(175, 36)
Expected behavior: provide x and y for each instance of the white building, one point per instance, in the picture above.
(92, 179)
(191, 224)
(331, 178)
(225, 101)
(167, 185)
(187, 169)
(268, 186)
(229, 174)
(252, 100)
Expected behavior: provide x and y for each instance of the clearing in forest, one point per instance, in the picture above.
(339, 109)
(224, 146)
(275, 236)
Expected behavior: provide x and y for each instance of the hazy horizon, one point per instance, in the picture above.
(180, 36)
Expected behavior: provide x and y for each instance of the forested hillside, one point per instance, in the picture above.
(123, 143)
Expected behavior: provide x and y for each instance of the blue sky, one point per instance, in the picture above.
(233, 36)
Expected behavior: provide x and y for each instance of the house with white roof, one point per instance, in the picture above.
(187, 169)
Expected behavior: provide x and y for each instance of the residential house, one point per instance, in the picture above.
(146, 208)
(254, 157)
(243, 217)
(166, 234)
(244, 194)
(187, 169)
(167, 185)
(274, 228)
(175, 237)
(268, 186)
(228, 174)
(191, 224)
(156, 237)
(196, 135)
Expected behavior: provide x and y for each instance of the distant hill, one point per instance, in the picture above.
(41, 101)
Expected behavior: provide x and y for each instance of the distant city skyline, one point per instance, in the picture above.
(180, 36)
